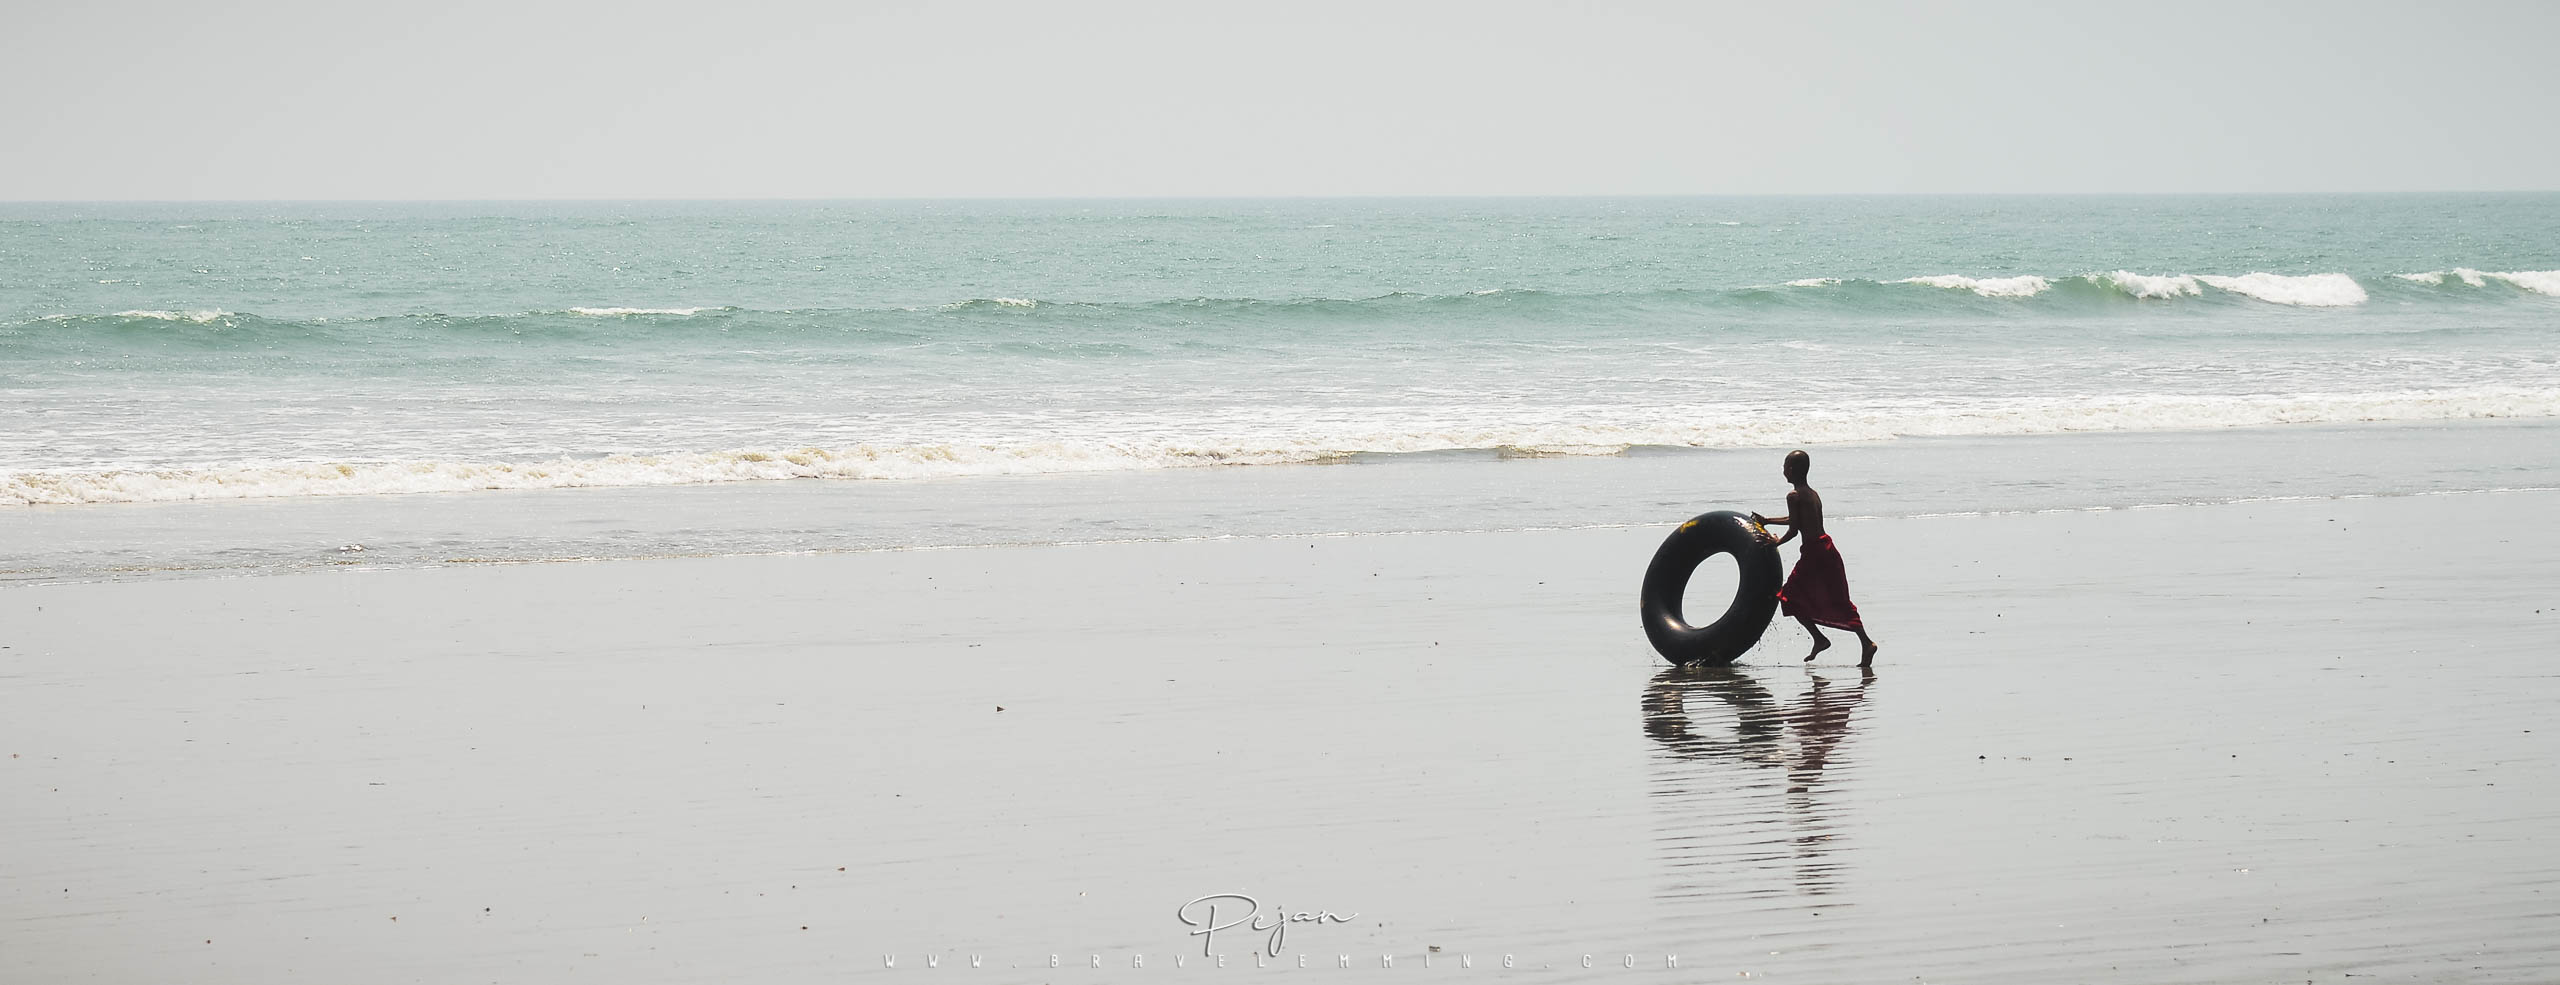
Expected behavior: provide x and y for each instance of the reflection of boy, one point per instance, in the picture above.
(1817, 591)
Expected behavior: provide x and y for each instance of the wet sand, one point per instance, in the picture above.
(2284, 741)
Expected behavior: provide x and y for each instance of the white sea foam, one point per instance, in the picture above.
(982, 302)
(379, 478)
(2537, 281)
(2028, 285)
(2149, 285)
(636, 311)
(201, 317)
(2309, 290)
(2436, 278)
(1700, 426)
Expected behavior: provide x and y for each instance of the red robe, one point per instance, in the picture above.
(1819, 587)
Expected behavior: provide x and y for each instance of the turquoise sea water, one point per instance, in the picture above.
(190, 352)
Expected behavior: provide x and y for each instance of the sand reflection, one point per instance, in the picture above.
(1741, 779)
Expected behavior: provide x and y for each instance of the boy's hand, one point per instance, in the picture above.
(1761, 520)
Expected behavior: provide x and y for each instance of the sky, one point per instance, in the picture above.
(771, 99)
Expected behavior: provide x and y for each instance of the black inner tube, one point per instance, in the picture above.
(1755, 598)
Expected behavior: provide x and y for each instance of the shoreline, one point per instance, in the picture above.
(801, 464)
(1424, 492)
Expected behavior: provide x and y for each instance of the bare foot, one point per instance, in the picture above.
(1866, 658)
(1819, 645)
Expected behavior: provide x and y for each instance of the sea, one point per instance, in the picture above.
(211, 389)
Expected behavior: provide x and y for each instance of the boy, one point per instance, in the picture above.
(1817, 591)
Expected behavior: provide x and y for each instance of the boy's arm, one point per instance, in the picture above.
(1787, 521)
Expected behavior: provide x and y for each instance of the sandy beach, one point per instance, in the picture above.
(2282, 741)
(1066, 494)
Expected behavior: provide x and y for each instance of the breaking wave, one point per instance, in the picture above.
(1954, 294)
(612, 312)
(2536, 281)
(2149, 285)
(1990, 287)
(2312, 291)
(2309, 290)
(200, 317)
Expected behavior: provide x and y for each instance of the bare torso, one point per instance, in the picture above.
(1804, 510)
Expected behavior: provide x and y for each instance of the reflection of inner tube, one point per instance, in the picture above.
(1755, 600)
(1757, 722)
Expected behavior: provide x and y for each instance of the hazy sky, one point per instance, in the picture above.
(741, 98)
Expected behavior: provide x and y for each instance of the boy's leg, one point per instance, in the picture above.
(1867, 651)
(1820, 642)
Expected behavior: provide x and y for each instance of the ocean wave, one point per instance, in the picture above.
(624, 312)
(2537, 281)
(2311, 290)
(2326, 290)
(205, 316)
(2436, 278)
(988, 303)
(2024, 286)
(2148, 285)
(1849, 296)
(1691, 427)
